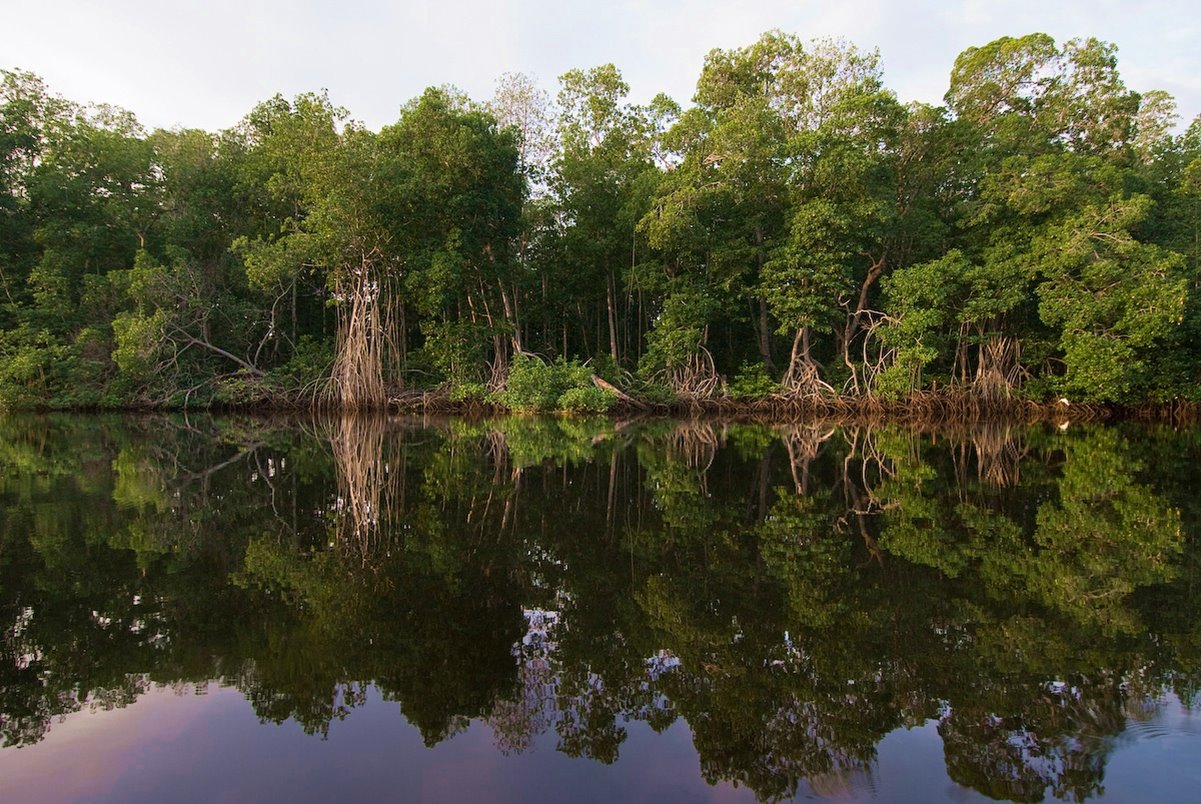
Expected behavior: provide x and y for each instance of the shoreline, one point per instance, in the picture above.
(919, 409)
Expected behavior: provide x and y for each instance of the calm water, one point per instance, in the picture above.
(550, 610)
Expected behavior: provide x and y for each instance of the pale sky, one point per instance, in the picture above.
(205, 64)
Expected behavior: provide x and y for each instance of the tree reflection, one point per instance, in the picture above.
(793, 594)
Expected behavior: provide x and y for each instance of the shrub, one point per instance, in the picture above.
(468, 392)
(752, 382)
(654, 393)
(604, 367)
(32, 367)
(587, 400)
(533, 386)
(311, 362)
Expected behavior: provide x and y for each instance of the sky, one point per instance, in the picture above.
(205, 64)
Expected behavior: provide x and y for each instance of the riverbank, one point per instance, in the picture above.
(922, 408)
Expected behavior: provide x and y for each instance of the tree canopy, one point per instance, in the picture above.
(795, 231)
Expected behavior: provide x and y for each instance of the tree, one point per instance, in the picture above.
(720, 210)
(453, 205)
(1114, 298)
(605, 149)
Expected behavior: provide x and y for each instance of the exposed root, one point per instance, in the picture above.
(694, 380)
(999, 371)
(366, 339)
(803, 381)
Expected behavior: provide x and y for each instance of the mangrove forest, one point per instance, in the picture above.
(795, 234)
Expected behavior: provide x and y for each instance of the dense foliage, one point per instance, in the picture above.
(797, 231)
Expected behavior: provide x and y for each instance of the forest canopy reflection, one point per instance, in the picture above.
(793, 593)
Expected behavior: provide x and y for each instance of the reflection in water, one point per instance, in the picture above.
(794, 594)
(369, 487)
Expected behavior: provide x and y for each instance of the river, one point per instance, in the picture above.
(549, 609)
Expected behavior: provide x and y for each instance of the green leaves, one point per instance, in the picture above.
(1113, 297)
(534, 386)
(1026, 230)
(806, 277)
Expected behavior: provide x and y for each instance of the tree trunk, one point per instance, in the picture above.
(765, 338)
(511, 316)
(794, 355)
(764, 323)
(294, 283)
(611, 305)
(853, 321)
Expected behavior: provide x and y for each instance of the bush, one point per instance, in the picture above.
(240, 390)
(533, 386)
(654, 393)
(32, 368)
(895, 383)
(752, 382)
(587, 400)
(468, 392)
(454, 351)
(310, 363)
(604, 367)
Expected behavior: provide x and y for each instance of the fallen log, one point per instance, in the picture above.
(622, 396)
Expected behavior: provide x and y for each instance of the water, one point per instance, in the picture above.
(548, 610)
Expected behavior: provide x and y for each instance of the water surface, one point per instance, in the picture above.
(553, 609)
